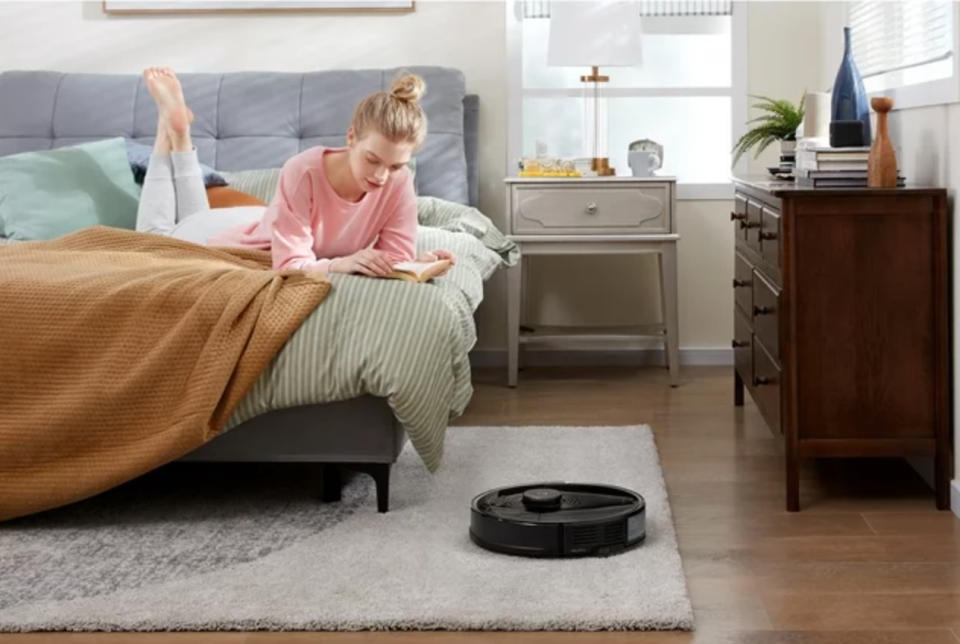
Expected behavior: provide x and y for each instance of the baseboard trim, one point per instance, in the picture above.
(620, 358)
(955, 497)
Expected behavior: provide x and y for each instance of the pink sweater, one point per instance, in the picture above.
(308, 224)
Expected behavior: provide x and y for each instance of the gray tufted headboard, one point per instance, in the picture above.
(244, 120)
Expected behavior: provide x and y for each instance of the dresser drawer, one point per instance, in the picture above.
(766, 314)
(766, 387)
(739, 216)
(743, 284)
(742, 347)
(751, 226)
(576, 210)
(770, 236)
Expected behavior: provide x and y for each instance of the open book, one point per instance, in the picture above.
(419, 271)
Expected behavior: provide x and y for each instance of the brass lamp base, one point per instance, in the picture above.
(602, 167)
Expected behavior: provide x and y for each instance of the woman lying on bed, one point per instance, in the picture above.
(336, 210)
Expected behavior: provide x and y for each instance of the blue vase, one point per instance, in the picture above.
(849, 101)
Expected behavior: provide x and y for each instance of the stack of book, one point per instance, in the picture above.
(826, 167)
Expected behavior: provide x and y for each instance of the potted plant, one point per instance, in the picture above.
(780, 123)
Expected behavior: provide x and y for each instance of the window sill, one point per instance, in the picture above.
(937, 92)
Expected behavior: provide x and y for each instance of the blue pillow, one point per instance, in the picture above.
(139, 155)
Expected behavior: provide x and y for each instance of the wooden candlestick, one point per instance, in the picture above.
(882, 163)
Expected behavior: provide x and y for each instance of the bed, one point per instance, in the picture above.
(329, 397)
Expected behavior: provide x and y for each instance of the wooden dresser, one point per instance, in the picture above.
(841, 321)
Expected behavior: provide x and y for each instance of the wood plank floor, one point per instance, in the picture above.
(868, 560)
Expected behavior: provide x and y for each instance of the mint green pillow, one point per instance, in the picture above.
(49, 193)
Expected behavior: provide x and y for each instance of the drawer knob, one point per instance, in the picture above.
(768, 235)
(737, 215)
(762, 310)
(749, 224)
(737, 344)
(592, 208)
(739, 283)
(761, 380)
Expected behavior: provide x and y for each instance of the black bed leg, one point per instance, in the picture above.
(381, 476)
(332, 485)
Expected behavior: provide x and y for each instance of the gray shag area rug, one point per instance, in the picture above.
(249, 547)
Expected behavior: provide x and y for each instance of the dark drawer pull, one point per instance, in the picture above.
(762, 310)
(737, 215)
(749, 224)
(768, 235)
(739, 283)
(738, 344)
(762, 380)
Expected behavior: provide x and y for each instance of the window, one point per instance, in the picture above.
(687, 94)
(906, 49)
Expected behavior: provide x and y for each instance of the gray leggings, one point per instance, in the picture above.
(174, 203)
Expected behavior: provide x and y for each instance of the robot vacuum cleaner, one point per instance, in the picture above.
(558, 520)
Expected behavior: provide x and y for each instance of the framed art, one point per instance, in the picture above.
(217, 6)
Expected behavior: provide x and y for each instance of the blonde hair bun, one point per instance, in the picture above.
(408, 87)
(397, 114)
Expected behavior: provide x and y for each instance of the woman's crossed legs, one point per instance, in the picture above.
(173, 189)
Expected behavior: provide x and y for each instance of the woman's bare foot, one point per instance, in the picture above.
(173, 114)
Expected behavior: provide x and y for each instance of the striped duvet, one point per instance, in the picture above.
(405, 342)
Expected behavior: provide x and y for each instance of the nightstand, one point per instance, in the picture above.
(593, 216)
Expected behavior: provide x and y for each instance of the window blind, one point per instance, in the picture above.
(648, 8)
(889, 36)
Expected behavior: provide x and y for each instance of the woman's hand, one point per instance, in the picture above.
(434, 255)
(368, 261)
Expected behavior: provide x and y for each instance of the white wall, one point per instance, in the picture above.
(77, 36)
(785, 52)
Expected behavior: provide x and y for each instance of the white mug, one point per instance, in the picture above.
(643, 162)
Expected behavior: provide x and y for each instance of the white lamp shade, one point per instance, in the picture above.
(600, 33)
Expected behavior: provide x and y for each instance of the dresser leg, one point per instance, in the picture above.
(514, 288)
(737, 389)
(668, 289)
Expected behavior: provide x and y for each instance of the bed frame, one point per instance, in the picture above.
(247, 120)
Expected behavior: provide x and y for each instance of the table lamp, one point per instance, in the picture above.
(599, 33)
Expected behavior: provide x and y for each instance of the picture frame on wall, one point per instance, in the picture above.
(237, 6)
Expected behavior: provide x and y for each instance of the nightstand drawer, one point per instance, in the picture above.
(576, 210)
